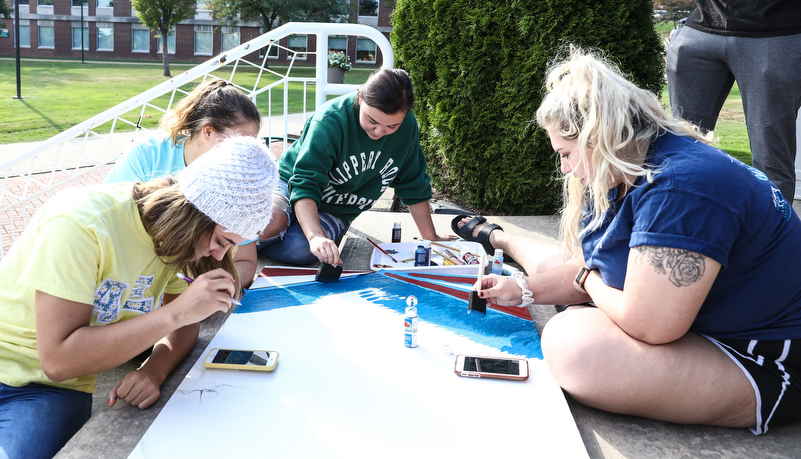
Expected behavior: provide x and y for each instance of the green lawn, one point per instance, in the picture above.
(59, 95)
(730, 130)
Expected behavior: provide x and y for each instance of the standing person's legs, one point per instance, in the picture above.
(37, 420)
(699, 80)
(768, 72)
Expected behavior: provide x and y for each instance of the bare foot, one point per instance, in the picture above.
(476, 229)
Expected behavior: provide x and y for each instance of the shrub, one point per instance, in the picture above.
(478, 70)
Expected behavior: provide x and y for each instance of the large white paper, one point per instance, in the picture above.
(346, 386)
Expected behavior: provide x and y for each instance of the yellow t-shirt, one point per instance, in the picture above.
(87, 245)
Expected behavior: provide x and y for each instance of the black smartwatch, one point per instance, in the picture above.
(581, 278)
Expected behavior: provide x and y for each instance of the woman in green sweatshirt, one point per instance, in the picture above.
(350, 151)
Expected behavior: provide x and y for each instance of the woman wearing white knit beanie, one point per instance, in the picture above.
(92, 283)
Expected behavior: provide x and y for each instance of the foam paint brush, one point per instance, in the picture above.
(474, 302)
(330, 273)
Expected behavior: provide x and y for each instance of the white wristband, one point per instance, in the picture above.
(521, 282)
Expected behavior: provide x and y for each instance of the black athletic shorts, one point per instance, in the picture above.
(774, 369)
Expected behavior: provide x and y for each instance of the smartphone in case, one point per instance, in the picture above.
(241, 359)
(472, 366)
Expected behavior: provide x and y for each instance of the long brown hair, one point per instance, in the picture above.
(177, 228)
(216, 102)
(388, 90)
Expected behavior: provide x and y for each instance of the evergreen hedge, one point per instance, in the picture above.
(478, 69)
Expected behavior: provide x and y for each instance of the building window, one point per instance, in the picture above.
(47, 37)
(230, 38)
(338, 44)
(76, 37)
(23, 2)
(202, 10)
(170, 43)
(44, 2)
(78, 2)
(204, 40)
(365, 50)
(140, 40)
(298, 43)
(271, 50)
(368, 8)
(105, 37)
(24, 35)
(105, 3)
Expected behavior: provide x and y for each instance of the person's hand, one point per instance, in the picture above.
(450, 237)
(500, 290)
(139, 388)
(209, 293)
(325, 250)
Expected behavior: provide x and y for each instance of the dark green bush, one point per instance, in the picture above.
(478, 69)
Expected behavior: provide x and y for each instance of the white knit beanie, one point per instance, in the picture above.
(233, 184)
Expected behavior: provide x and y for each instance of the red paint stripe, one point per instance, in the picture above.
(280, 271)
(461, 294)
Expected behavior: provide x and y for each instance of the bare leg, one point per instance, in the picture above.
(533, 255)
(689, 381)
(278, 223)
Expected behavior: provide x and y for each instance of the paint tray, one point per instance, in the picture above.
(404, 253)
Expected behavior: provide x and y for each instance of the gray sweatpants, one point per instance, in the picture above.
(701, 69)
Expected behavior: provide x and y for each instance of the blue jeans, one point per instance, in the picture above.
(37, 420)
(291, 246)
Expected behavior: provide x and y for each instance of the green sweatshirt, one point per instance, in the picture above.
(344, 171)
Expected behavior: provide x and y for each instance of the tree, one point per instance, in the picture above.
(162, 16)
(5, 11)
(478, 70)
(272, 13)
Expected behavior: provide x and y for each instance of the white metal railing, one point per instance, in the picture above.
(84, 153)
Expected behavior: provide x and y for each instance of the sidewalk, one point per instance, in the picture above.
(605, 435)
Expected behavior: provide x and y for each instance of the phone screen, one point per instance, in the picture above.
(497, 366)
(242, 357)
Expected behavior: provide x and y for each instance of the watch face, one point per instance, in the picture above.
(582, 275)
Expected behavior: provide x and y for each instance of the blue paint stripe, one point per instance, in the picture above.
(496, 329)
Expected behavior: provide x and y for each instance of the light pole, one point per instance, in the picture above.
(16, 38)
(82, 43)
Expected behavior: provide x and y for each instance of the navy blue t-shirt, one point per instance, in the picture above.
(705, 201)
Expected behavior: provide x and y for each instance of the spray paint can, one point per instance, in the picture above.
(410, 322)
(497, 262)
(396, 233)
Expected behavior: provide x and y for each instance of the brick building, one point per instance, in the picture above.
(111, 30)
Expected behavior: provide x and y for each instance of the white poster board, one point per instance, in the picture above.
(346, 386)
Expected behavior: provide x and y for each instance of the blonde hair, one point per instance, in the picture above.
(216, 102)
(590, 101)
(177, 228)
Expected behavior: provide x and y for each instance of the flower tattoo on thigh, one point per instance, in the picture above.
(682, 266)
